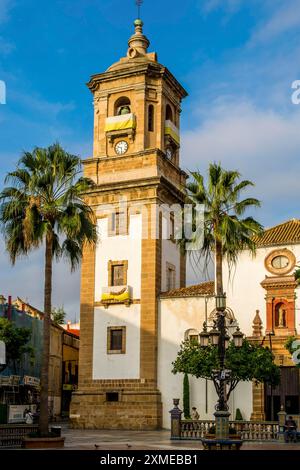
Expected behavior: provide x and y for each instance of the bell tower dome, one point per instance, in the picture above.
(137, 106)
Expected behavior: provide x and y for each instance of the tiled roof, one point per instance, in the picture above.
(73, 331)
(282, 234)
(205, 288)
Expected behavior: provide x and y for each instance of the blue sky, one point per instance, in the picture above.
(236, 58)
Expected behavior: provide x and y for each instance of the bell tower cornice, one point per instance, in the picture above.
(154, 70)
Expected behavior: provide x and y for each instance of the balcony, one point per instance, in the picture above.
(116, 295)
(172, 133)
(120, 126)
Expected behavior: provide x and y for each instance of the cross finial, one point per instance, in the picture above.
(139, 3)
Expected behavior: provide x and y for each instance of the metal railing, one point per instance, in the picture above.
(12, 435)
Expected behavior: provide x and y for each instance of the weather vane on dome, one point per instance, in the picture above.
(139, 3)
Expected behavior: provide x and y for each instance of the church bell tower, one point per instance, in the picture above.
(135, 168)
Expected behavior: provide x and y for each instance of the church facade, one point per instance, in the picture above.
(135, 308)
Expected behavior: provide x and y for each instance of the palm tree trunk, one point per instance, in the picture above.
(219, 267)
(44, 419)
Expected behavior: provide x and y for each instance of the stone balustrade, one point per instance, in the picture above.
(247, 430)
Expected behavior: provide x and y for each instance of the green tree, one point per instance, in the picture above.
(238, 415)
(44, 205)
(58, 315)
(16, 340)
(226, 232)
(250, 362)
(186, 397)
(292, 345)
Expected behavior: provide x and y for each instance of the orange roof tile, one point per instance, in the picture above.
(205, 288)
(73, 331)
(282, 234)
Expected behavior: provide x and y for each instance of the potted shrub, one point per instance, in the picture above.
(238, 415)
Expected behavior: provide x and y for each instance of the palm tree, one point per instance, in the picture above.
(226, 233)
(44, 205)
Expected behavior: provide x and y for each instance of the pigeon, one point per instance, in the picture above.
(96, 446)
(129, 445)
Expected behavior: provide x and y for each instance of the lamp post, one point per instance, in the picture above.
(218, 337)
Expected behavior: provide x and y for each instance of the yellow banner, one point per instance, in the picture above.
(171, 129)
(116, 123)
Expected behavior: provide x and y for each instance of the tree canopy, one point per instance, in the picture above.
(250, 362)
(292, 345)
(226, 231)
(58, 315)
(16, 341)
(44, 204)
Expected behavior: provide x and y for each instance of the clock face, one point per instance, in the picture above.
(121, 147)
(169, 152)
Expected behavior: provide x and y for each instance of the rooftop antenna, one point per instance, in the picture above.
(139, 3)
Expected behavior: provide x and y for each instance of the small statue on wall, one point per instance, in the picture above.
(280, 315)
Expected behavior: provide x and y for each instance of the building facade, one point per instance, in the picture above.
(135, 308)
(264, 293)
(63, 362)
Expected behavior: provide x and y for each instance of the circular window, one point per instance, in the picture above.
(280, 261)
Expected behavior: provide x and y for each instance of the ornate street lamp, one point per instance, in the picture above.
(204, 336)
(221, 302)
(214, 335)
(238, 338)
(219, 337)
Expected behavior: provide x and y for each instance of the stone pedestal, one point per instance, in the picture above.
(175, 420)
(136, 409)
(281, 422)
(222, 424)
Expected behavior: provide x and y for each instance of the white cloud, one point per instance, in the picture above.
(262, 144)
(34, 102)
(230, 6)
(282, 20)
(25, 280)
(5, 7)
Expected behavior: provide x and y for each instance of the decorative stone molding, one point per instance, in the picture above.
(257, 325)
(276, 253)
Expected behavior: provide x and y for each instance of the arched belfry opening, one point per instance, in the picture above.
(122, 106)
(169, 113)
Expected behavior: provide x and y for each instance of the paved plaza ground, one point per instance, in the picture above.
(78, 439)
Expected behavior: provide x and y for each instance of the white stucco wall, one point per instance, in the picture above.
(176, 316)
(117, 248)
(116, 366)
(245, 295)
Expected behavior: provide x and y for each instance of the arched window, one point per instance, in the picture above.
(280, 315)
(169, 113)
(122, 106)
(192, 335)
(151, 118)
